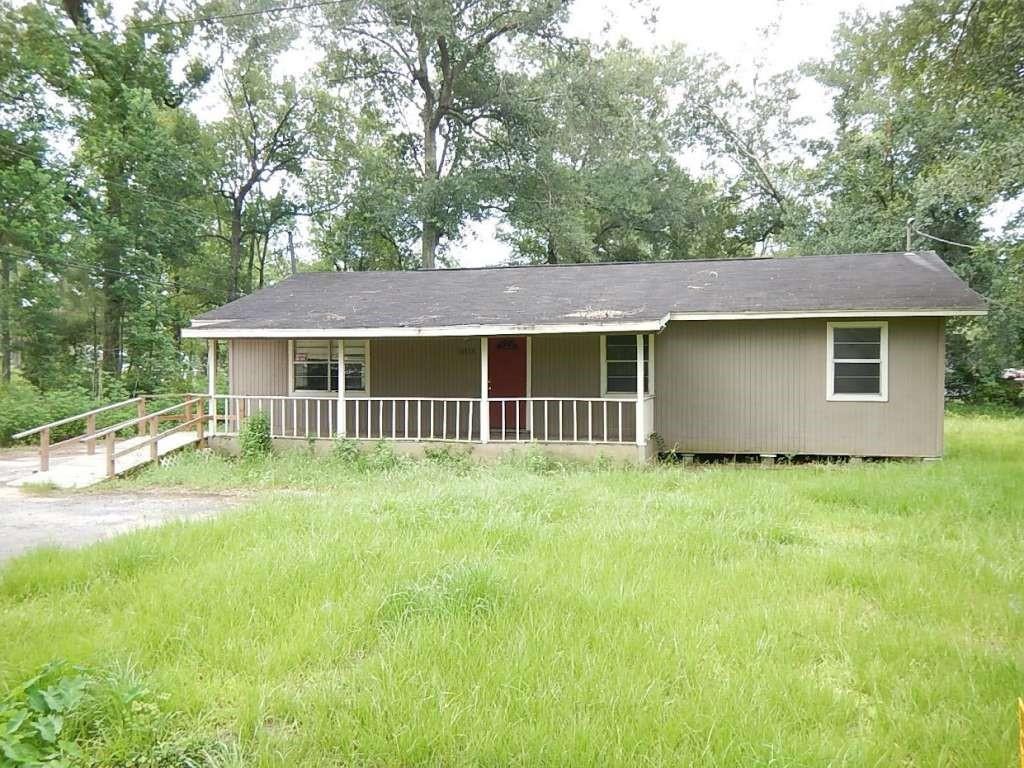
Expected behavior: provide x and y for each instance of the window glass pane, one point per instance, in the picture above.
(354, 375)
(311, 376)
(853, 351)
(622, 384)
(621, 348)
(312, 350)
(856, 335)
(857, 379)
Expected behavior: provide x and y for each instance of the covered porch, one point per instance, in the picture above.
(570, 388)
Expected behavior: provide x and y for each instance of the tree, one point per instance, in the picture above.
(136, 176)
(590, 169)
(261, 140)
(752, 140)
(439, 58)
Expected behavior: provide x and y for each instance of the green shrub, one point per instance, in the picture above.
(384, 458)
(254, 438)
(22, 407)
(454, 459)
(67, 715)
(347, 452)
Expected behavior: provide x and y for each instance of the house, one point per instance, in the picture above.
(818, 355)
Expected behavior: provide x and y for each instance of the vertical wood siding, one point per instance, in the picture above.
(759, 387)
(566, 365)
(258, 366)
(427, 367)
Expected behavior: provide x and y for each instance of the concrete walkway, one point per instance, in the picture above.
(30, 521)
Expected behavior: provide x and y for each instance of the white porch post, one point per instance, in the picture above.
(342, 415)
(485, 408)
(211, 381)
(641, 438)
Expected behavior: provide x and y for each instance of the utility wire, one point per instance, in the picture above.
(912, 229)
(240, 14)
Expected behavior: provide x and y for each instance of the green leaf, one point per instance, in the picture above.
(37, 701)
(20, 752)
(16, 720)
(49, 727)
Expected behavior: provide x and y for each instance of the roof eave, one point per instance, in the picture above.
(223, 330)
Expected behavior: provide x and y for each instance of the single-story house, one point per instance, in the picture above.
(816, 355)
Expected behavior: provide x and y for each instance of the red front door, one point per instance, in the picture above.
(506, 368)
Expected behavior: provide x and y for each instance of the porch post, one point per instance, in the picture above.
(485, 408)
(211, 381)
(342, 425)
(641, 438)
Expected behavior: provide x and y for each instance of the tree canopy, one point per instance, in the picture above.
(156, 164)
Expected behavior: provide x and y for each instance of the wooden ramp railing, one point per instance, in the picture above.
(150, 423)
(189, 414)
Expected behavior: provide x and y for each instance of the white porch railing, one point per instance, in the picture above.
(524, 419)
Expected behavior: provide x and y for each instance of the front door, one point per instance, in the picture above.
(506, 368)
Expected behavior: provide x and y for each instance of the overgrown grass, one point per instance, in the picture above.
(534, 613)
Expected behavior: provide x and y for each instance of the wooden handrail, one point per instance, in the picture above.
(69, 419)
(138, 420)
(155, 438)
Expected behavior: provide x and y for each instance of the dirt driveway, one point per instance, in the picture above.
(29, 521)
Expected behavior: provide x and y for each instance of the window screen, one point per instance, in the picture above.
(857, 360)
(620, 363)
(316, 365)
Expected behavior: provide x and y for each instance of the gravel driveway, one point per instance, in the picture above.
(71, 520)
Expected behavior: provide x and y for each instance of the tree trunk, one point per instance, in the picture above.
(113, 298)
(552, 255)
(431, 233)
(236, 249)
(5, 317)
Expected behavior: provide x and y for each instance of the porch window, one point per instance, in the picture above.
(619, 364)
(858, 361)
(315, 366)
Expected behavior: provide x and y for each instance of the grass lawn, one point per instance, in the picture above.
(539, 615)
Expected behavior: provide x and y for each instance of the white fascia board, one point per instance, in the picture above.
(211, 331)
(870, 313)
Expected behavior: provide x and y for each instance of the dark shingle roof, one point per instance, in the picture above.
(599, 295)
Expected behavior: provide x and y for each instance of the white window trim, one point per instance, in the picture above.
(604, 369)
(293, 392)
(883, 368)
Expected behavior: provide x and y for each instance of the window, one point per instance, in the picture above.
(618, 375)
(315, 366)
(858, 361)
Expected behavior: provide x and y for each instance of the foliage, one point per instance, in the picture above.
(123, 214)
(254, 437)
(22, 407)
(73, 716)
(705, 615)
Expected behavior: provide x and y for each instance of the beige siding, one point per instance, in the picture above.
(258, 366)
(566, 365)
(759, 387)
(429, 367)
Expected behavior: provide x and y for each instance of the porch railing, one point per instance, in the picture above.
(524, 419)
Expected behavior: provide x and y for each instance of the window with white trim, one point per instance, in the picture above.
(618, 376)
(315, 365)
(858, 361)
